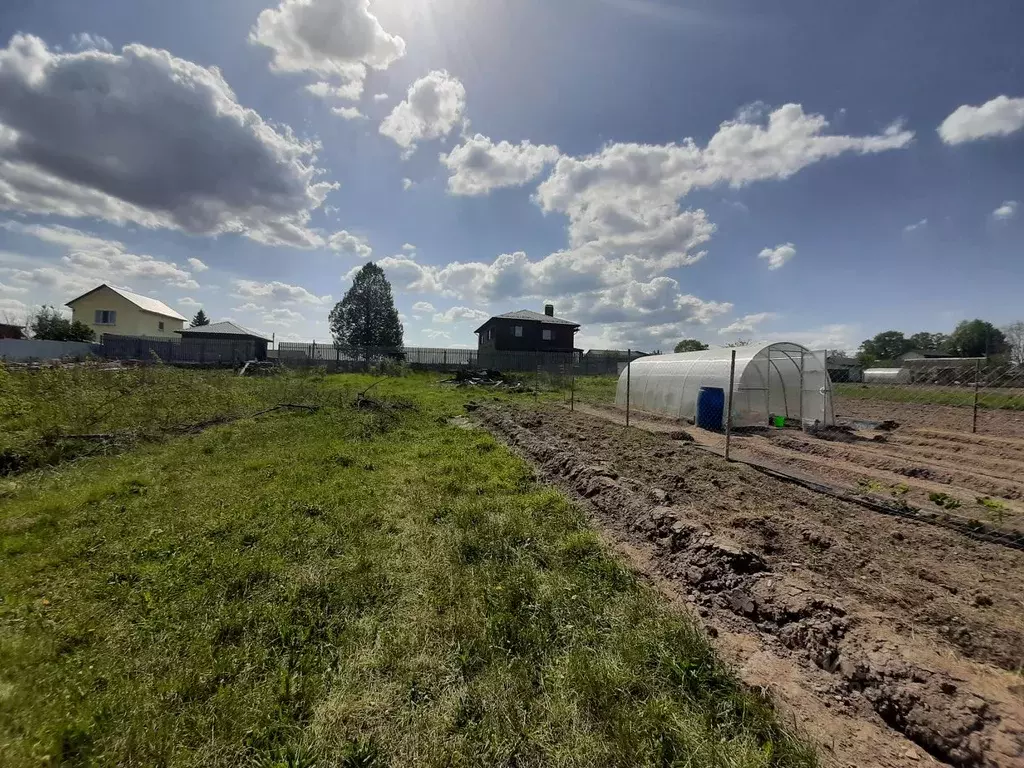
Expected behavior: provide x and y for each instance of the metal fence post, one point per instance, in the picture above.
(728, 406)
(572, 387)
(977, 379)
(629, 369)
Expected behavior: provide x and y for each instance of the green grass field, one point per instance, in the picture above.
(360, 586)
(1012, 400)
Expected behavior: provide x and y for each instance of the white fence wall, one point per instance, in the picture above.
(34, 349)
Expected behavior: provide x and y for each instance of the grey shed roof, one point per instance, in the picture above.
(224, 328)
(530, 315)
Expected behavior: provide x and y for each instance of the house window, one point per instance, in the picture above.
(161, 325)
(547, 334)
(106, 317)
(518, 331)
(490, 334)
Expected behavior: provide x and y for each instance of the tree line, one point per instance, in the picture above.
(970, 338)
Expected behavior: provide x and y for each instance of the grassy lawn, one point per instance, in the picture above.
(359, 586)
(596, 389)
(960, 396)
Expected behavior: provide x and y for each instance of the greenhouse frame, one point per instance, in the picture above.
(773, 379)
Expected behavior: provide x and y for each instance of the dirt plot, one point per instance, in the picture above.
(950, 418)
(893, 642)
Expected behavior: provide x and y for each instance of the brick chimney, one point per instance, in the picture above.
(549, 310)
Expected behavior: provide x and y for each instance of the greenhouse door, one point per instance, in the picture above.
(816, 389)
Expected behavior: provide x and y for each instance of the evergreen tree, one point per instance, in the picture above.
(366, 316)
(199, 319)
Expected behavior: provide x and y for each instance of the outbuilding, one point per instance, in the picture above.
(776, 379)
(224, 341)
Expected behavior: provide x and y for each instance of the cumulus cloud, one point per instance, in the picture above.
(408, 247)
(349, 113)
(459, 314)
(999, 117)
(423, 307)
(914, 227)
(407, 184)
(277, 293)
(1005, 211)
(778, 256)
(197, 265)
(85, 41)
(346, 242)
(146, 137)
(478, 165)
(435, 334)
(435, 104)
(189, 303)
(380, 97)
(282, 316)
(625, 198)
(337, 39)
(89, 260)
(747, 323)
(346, 91)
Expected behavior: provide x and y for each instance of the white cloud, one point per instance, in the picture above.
(90, 260)
(459, 314)
(13, 311)
(84, 41)
(197, 265)
(278, 293)
(349, 113)
(148, 138)
(434, 334)
(625, 198)
(999, 117)
(778, 256)
(433, 107)
(282, 316)
(408, 247)
(249, 306)
(407, 184)
(423, 307)
(380, 97)
(347, 91)
(348, 243)
(1005, 211)
(747, 323)
(338, 39)
(478, 165)
(914, 227)
(189, 303)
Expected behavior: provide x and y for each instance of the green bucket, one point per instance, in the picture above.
(779, 421)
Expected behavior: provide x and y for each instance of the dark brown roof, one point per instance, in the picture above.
(529, 316)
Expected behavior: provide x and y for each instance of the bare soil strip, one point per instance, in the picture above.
(891, 641)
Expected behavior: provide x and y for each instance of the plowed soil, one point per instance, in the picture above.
(893, 642)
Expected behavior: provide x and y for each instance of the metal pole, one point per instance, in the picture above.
(977, 378)
(800, 410)
(629, 368)
(728, 413)
(572, 386)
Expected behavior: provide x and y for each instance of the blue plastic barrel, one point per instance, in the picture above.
(710, 408)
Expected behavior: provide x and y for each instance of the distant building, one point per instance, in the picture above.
(8, 331)
(527, 331)
(527, 340)
(246, 344)
(112, 310)
(844, 369)
(920, 354)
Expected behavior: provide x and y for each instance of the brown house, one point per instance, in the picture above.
(504, 340)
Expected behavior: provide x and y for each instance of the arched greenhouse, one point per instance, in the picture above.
(780, 379)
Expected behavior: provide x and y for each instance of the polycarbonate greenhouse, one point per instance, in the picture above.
(780, 379)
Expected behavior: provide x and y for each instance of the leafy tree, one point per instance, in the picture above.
(887, 345)
(1014, 334)
(50, 325)
(929, 342)
(691, 345)
(199, 319)
(366, 316)
(740, 343)
(977, 338)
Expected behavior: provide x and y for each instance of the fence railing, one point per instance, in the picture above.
(192, 351)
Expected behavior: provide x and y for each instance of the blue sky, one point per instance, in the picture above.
(814, 172)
